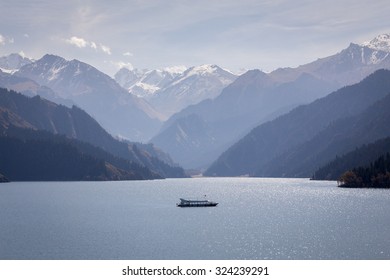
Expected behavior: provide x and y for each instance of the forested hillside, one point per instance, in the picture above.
(340, 137)
(40, 114)
(374, 175)
(28, 155)
(361, 156)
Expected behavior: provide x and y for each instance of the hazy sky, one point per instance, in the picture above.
(234, 34)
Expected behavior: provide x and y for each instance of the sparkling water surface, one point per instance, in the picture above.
(257, 218)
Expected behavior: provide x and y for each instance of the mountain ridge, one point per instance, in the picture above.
(347, 67)
(381, 43)
(361, 156)
(118, 111)
(340, 137)
(256, 97)
(40, 114)
(252, 98)
(273, 138)
(13, 62)
(33, 155)
(170, 92)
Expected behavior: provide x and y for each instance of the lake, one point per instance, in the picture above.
(257, 218)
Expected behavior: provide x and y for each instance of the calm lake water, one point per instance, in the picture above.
(255, 219)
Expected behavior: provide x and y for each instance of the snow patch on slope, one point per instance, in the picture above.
(380, 43)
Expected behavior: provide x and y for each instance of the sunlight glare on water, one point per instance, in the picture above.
(256, 218)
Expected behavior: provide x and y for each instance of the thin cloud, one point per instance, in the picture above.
(105, 49)
(78, 42)
(22, 54)
(121, 64)
(234, 34)
(4, 40)
(83, 43)
(93, 45)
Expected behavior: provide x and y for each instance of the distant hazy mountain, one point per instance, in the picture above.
(144, 83)
(13, 62)
(256, 97)
(278, 139)
(338, 138)
(191, 87)
(36, 113)
(31, 88)
(173, 89)
(190, 140)
(251, 99)
(118, 111)
(347, 67)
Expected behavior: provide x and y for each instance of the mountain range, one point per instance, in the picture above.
(144, 83)
(13, 62)
(195, 114)
(31, 88)
(113, 107)
(30, 155)
(298, 143)
(171, 91)
(347, 67)
(133, 107)
(39, 114)
(256, 97)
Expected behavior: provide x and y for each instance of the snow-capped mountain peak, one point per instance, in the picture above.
(144, 83)
(191, 87)
(97, 93)
(51, 68)
(179, 69)
(205, 69)
(13, 62)
(380, 43)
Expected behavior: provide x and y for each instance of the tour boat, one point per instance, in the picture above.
(196, 203)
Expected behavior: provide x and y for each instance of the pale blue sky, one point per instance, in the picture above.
(156, 34)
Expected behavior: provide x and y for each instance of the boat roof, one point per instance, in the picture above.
(194, 200)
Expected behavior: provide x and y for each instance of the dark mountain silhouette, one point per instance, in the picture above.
(362, 156)
(338, 138)
(37, 155)
(374, 175)
(40, 114)
(3, 179)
